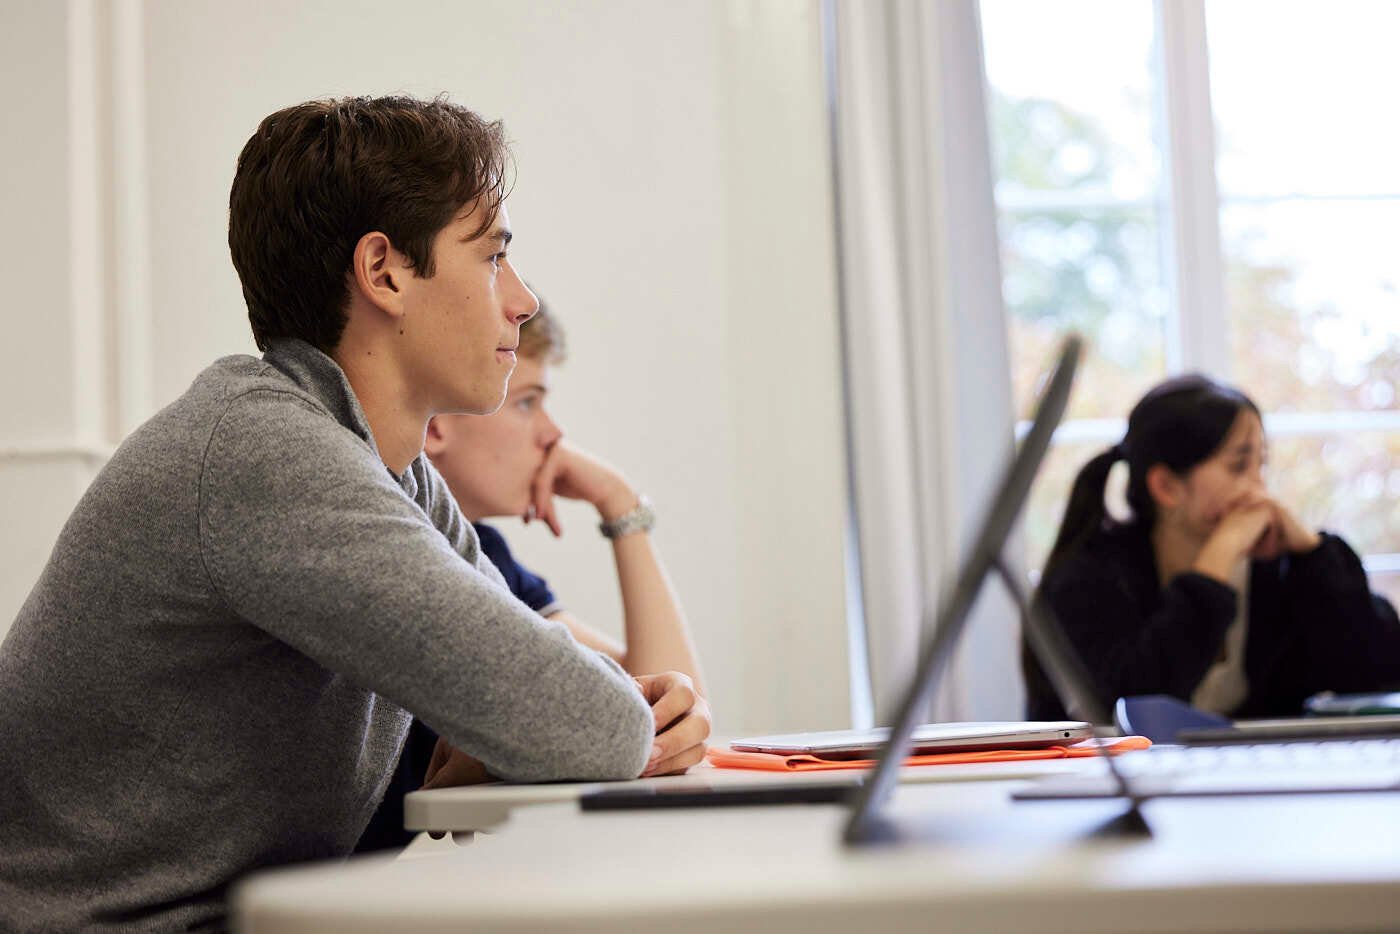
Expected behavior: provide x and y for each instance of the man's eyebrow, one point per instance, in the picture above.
(502, 234)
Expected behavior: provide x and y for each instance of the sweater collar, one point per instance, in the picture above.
(323, 379)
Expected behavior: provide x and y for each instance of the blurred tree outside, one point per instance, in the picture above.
(1091, 268)
(1075, 260)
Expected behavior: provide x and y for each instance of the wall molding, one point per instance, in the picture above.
(95, 453)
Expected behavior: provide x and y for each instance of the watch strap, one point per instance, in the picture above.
(640, 518)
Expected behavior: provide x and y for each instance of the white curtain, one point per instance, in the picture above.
(928, 390)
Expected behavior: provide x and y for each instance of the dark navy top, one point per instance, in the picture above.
(528, 586)
(386, 830)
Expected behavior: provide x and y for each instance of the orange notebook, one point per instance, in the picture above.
(729, 759)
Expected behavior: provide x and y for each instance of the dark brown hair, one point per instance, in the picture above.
(1180, 423)
(315, 178)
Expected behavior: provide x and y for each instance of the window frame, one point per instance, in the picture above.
(1197, 330)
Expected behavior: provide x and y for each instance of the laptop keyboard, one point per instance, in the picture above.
(1332, 754)
(1371, 764)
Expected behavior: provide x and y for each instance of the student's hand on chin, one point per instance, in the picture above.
(573, 473)
(1244, 527)
(1254, 520)
(449, 767)
(682, 722)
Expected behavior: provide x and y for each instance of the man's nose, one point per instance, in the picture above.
(523, 304)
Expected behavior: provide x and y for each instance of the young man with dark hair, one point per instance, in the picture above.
(215, 670)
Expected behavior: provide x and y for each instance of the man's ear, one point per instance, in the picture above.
(435, 441)
(1165, 487)
(379, 270)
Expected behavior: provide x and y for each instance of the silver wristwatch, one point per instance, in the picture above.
(640, 518)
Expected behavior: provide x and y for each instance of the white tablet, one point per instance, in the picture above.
(929, 738)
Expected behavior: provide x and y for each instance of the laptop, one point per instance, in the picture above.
(1366, 764)
(927, 739)
(864, 822)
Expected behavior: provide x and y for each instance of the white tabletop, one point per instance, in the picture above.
(487, 807)
(1262, 864)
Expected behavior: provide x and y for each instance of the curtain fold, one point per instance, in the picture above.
(927, 378)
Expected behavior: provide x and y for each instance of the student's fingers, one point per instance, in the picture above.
(542, 491)
(683, 744)
(1251, 520)
(653, 687)
(441, 752)
(678, 763)
(458, 769)
(1239, 531)
(671, 695)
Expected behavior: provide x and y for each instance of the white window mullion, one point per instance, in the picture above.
(1193, 258)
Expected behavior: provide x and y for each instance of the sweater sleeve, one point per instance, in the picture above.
(1129, 649)
(1350, 636)
(305, 535)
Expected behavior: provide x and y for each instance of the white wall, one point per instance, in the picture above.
(672, 203)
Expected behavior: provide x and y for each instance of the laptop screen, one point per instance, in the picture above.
(985, 556)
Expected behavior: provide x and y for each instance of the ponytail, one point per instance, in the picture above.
(1178, 424)
(1085, 513)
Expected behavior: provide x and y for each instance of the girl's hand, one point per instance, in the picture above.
(1246, 528)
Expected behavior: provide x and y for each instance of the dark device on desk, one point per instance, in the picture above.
(1166, 719)
(690, 796)
(865, 823)
(1328, 704)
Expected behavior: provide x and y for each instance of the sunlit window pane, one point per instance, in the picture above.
(1310, 209)
(1347, 483)
(1073, 95)
(1303, 96)
(1314, 299)
(1388, 586)
(1078, 189)
(1091, 271)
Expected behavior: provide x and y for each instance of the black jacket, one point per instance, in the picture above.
(1314, 625)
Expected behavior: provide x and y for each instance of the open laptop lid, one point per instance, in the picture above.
(996, 526)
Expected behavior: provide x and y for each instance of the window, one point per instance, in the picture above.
(1111, 205)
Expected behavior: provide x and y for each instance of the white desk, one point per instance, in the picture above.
(1264, 864)
(486, 807)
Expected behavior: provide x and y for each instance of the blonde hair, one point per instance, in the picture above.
(542, 337)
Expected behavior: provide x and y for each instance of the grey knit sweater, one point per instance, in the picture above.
(214, 672)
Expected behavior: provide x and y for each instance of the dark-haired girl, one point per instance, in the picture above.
(1213, 591)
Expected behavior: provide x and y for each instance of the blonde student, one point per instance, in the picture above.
(515, 463)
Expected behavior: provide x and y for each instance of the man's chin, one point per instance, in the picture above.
(477, 405)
